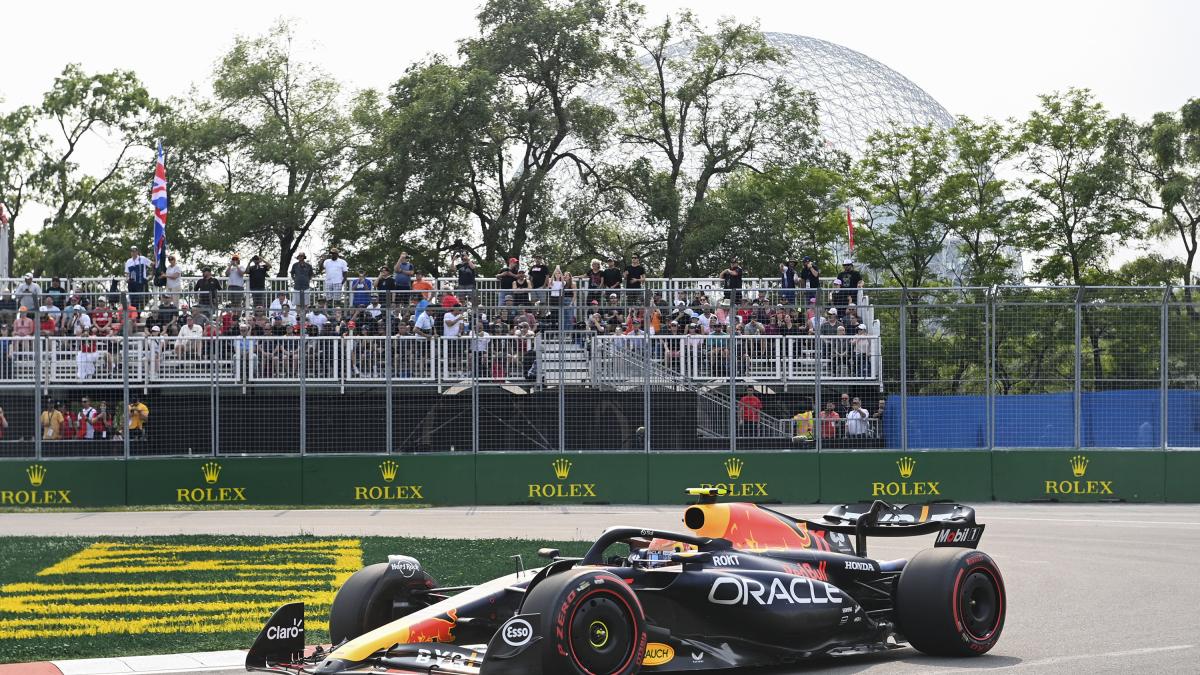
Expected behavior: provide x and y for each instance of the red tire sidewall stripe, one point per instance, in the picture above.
(632, 615)
(992, 572)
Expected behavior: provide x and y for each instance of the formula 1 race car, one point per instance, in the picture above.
(747, 586)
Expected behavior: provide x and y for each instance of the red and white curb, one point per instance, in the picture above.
(193, 662)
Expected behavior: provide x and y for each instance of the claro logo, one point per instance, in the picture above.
(905, 488)
(286, 632)
(563, 488)
(1079, 466)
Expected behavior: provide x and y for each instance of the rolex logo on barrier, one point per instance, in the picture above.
(734, 488)
(211, 471)
(906, 467)
(389, 470)
(1079, 467)
(562, 468)
(562, 489)
(36, 473)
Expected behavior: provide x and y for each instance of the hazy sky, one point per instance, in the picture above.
(976, 58)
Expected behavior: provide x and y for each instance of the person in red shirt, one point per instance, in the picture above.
(829, 421)
(48, 325)
(749, 413)
(101, 316)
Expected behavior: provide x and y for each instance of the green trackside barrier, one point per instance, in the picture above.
(790, 477)
(62, 482)
(213, 480)
(435, 479)
(1183, 476)
(550, 478)
(1079, 475)
(905, 477)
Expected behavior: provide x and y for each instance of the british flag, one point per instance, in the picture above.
(158, 197)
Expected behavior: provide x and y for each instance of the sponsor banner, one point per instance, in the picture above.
(1078, 475)
(1183, 469)
(905, 477)
(61, 483)
(755, 477)
(384, 480)
(214, 480)
(581, 478)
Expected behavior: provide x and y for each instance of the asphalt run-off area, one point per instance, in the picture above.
(1107, 588)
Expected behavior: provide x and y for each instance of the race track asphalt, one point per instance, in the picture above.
(1109, 588)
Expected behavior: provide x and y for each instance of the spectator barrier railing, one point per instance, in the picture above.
(936, 368)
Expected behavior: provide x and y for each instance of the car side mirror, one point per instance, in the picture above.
(548, 553)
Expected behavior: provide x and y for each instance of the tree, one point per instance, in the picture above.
(94, 217)
(1073, 179)
(982, 216)
(685, 123)
(902, 184)
(269, 156)
(1163, 158)
(478, 147)
(21, 147)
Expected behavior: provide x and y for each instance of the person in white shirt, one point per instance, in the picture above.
(27, 293)
(424, 325)
(190, 338)
(856, 419)
(452, 323)
(48, 307)
(278, 303)
(137, 275)
(174, 276)
(335, 274)
(318, 319)
(86, 415)
(235, 280)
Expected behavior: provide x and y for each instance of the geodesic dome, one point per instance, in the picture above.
(856, 94)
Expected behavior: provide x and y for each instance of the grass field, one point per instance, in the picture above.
(108, 596)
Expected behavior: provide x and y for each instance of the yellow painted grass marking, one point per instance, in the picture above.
(271, 573)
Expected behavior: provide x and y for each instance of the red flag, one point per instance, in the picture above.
(3, 216)
(850, 229)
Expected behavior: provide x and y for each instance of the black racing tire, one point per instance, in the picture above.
(591, 623)
(951, 602)
(372, 597)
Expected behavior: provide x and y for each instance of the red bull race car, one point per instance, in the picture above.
(745, 585)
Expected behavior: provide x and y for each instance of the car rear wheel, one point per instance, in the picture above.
(372, 597)
(951, 602)
(591, 621)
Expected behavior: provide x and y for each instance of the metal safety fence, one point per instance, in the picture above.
(581, 369)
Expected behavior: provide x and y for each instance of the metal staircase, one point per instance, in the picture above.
(624, 367)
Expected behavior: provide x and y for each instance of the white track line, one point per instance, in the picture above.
(1056, 660)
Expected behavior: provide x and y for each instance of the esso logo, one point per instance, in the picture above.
(516, 633)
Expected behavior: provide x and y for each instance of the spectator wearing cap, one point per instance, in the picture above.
(506, 279)
(862, 351)
(385, 284)
(810, 278)
(174, 280)
(235, 280)
(257, 271)
(302, 274)
(335, 268)
(787, 282)
(137, 275)
(28, 292)
(466, 277)
(850, 280)
(731, 280)
(208, 289)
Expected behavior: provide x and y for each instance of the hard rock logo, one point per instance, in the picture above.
(36, 473)
(905, 488)
(733, 471)
(1079, 467)
(211, 471)
(389, 469)
(562, 471)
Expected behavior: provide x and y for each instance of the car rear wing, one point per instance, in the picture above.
(954, 523)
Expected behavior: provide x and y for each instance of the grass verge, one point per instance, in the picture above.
(72, 597)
